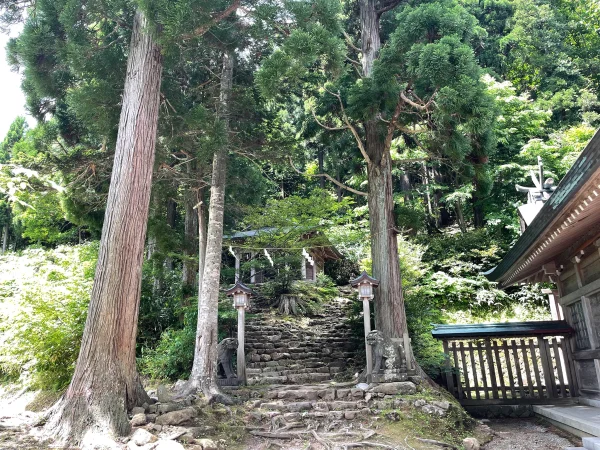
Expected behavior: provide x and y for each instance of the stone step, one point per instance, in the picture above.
(278, 373)
(316, 394)
(321, 406)
(291, 378)
(577, 418)
(591, 443)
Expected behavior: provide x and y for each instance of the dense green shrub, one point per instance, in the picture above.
(44, 295)
(161, 304)
(173, 355)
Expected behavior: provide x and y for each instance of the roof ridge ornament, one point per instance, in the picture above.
(536, 196)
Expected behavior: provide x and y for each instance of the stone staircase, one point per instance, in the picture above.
(296, 350)
(326, 406)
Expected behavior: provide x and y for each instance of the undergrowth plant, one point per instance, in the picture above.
(44, 296)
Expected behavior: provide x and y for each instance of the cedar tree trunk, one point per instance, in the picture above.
(106, 383)
(204, 370)
(5, 239)
(190, 233)
(202, 239)
(390, 317)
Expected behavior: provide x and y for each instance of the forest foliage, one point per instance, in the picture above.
(504, 81)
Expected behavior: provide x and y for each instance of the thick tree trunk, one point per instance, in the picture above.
(202, 240)
(204, 369)
(106, 382)
(390, 317)
(389, 301)
(369, 31)
(478, 214)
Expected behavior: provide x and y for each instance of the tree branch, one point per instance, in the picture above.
(350, 44)
(359, 141)
(222, 15)
(329, 177)
(422, 106)
(387, 7)
(325, 126)
(392, 125)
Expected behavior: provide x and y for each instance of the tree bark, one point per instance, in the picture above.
(190, 233)
(204, 369)
(106, 383)
(5, 239)
(390, 317)
(478, 214)
(460, 218)
(202, 239)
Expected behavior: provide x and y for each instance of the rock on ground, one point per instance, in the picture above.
(207, 444)
(138, 420)
(165, 444)
(470, 443)
(142, 437)
(177, 417)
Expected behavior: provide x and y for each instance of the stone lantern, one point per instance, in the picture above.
(241, 300)
(365, 284)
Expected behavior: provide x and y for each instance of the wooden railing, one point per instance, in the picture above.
(509, 370)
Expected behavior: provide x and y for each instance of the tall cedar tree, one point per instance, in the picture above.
(422, 85)
(106, 382)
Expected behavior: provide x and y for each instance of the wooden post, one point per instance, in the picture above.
(241, 356)
(367, 319)
(448, 368)
(252, 269)
(236, 255)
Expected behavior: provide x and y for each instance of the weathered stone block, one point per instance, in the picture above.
(327, 394)
(357, 393)
(320, 406)
(350, 415)
(342, 405)
(343, 393)
(177, 417)
(299, 406)
(138, 420)
(399, 387)
(164, 408)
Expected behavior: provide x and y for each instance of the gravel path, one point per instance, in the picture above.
(528, 434)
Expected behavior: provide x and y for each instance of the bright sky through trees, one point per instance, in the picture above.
(13, 100)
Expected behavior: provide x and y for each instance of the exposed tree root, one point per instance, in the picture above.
(212, 394)
(345, 445)
(299, 434)
(438, 443)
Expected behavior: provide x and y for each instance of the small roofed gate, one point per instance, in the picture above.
(508, 363)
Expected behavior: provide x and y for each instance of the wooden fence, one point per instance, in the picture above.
(509, 370)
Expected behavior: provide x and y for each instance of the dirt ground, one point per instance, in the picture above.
(509, 434)
(528, 434)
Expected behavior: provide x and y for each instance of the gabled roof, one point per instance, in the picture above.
(326, 251)
(507, 329)
(567, 217)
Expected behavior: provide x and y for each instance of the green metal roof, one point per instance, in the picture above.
(507, 329)
(584, 167)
